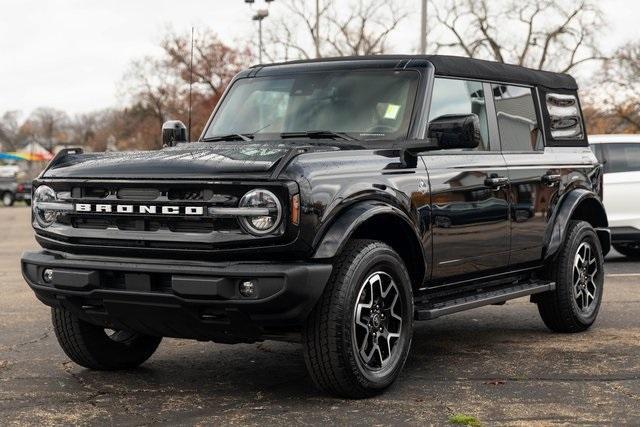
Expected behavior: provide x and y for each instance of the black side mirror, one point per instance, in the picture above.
(173, 132)
(455, 131)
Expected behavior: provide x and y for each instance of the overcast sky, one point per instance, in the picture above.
(71, 54)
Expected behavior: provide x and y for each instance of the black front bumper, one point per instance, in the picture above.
(186, 299)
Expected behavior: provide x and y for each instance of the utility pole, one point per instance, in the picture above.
(423, 28)
(317, 29)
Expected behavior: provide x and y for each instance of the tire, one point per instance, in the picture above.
(7, 199)
(569, 308)
(630, 251)
(92, 347)
(28, 202)
(343, 320)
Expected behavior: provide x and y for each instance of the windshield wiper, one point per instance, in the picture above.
(230, 137)
(318, 134)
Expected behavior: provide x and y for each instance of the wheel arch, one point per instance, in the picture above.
(378, 221)
(578, 204)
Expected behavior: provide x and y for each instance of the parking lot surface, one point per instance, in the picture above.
(498, 364)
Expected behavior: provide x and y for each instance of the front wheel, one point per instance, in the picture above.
(578, 271)
(101, 349)
(358, 336)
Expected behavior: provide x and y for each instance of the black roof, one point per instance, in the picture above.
(458, 66)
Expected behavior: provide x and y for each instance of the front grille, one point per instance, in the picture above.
(139, 228)
(146, 223)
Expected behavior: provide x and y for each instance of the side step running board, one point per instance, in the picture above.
(494, 296)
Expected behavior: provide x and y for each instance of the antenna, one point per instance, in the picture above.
(190, 85)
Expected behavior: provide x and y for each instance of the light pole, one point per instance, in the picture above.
(259, 16)
(423, 28)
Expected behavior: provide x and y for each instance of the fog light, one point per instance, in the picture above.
(247, 288)
(47, 275)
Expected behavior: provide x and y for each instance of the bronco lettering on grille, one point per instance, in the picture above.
(139, 209)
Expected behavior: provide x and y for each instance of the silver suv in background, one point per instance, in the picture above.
(620, 155)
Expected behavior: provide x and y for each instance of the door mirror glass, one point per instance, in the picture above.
(455, 131)
(173, 132)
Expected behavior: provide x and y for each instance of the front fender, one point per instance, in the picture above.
(577, 204)
(330, 242)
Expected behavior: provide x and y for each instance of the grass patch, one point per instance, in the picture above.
(464, 420)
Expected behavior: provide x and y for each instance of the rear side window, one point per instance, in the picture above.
(517, 118)
(621, 157)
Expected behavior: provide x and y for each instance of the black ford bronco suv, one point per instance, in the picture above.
(334, 203)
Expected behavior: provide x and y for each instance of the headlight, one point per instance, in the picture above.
(43, 198)
(261, 224)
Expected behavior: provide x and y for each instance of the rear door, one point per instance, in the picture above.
(534, 172)
(469, 189)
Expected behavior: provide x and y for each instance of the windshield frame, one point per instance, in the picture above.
(415, 100)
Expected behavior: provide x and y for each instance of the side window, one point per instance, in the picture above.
(565, 120)
(517, 119)
(455, 97)
(622, 158)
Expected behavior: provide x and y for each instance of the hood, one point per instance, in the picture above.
(194, 160)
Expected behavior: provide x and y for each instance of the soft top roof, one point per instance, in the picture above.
(458, 66)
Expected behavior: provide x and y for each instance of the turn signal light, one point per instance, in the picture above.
(295, 209)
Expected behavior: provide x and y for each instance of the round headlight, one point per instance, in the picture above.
(261, 224)
(44, 217)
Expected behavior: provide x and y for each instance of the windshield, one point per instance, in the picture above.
(361, 104)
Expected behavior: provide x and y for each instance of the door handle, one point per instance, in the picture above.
(551, 179)
(496, 181)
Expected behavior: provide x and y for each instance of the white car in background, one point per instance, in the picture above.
(620, 155)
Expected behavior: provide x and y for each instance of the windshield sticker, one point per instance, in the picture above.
(392, 111)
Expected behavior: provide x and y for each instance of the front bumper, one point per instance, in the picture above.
(186, 299)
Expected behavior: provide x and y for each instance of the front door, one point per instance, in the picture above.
(469, 191)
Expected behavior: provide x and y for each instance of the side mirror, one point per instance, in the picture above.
(173, 132)
(455, 131)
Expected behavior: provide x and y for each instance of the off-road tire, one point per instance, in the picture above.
(559, 309)
(7, 199)
(329, 352)
(629, 251)
(90, 346)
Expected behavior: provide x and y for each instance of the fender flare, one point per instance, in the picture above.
(556, 230)
(337, 233)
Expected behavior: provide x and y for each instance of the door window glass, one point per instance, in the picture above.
(517, 119)
(622, 158)
(457, 97)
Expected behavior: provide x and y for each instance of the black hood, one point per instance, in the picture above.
(194, 160)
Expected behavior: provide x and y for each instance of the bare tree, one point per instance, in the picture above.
(556, 35)
(10, 138)
(46, 126)
(214, 63)
(322, 28)
(616, 102)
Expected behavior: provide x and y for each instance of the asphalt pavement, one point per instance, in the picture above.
(498, 364)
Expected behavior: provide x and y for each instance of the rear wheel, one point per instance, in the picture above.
(98, 348)
(630, 250)
(358, 336)
(579, 276)
(7, 199)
